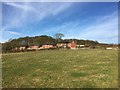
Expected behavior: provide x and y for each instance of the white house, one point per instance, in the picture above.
(109, 48)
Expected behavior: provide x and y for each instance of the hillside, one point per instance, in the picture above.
(44, 39)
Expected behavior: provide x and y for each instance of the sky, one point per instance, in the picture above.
(82, 20)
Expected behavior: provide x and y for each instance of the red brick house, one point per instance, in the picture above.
(33, 48)
(72, 45)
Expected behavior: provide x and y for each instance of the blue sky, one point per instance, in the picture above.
(81, 20)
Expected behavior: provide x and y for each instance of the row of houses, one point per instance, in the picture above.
(71, 45)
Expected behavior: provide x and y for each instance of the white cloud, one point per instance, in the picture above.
(25, 13)
(65, 28)
(23, 6)
(14, 33)
(104, 29)
(32, 12)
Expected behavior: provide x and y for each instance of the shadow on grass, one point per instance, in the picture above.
(79, 74)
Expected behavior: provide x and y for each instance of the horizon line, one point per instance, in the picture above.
(63, 39)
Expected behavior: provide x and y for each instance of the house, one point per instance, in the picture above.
(72, 45)
(82, 45)
(61, 45)
(33, 48)
(109, 48)
(15, 49)
(47, 46)
(22, 48)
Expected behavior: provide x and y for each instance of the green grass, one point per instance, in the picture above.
(61, 68)
(78, 74)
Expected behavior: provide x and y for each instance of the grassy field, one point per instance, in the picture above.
(61, 68)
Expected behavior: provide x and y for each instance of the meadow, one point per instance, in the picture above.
(61, 69)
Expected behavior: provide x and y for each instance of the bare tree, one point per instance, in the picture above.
(58, 36)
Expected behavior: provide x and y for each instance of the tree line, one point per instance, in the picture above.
(44, 39)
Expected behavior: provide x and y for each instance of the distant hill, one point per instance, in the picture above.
(44, 39)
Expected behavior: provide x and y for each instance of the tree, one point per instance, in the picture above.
(23, 43)
(58, 36)
(10, 40)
